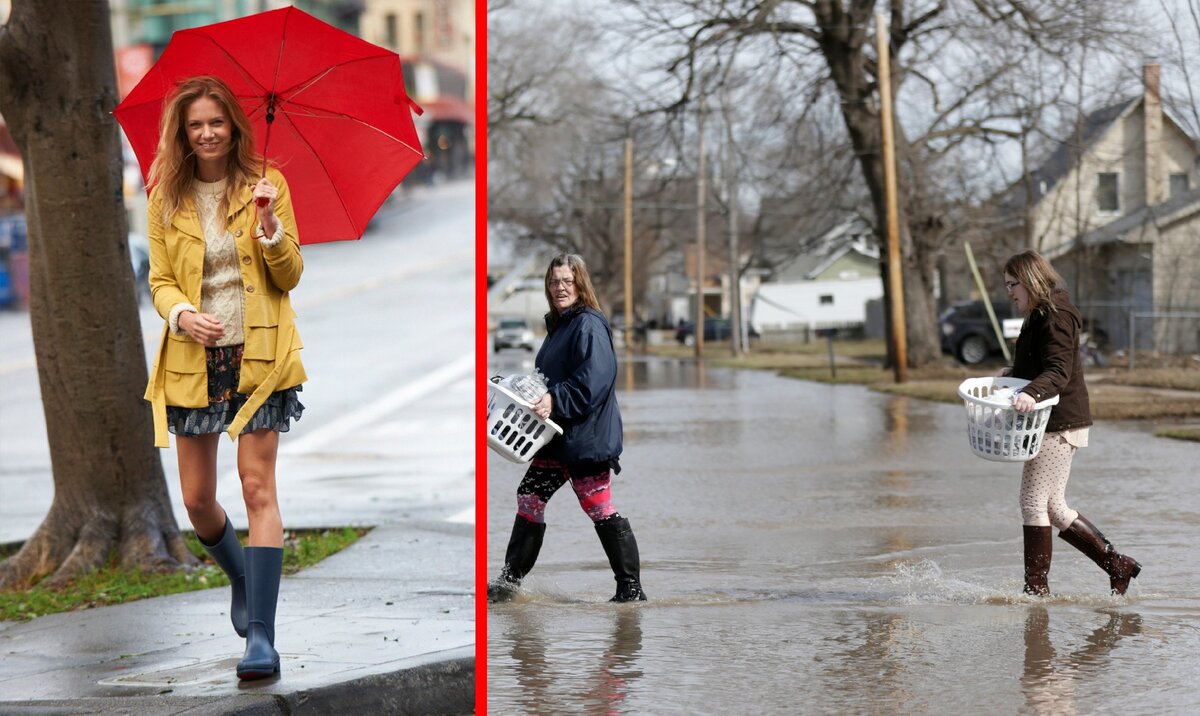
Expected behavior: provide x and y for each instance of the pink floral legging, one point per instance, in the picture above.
(543, 479)
(1044, 484)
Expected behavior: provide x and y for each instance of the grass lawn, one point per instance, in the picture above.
(1113, 391)
(114, 585)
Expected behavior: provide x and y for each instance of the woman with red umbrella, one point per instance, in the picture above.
(224, 253)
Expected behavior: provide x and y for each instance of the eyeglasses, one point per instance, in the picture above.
(1010, 285)
(564, 282)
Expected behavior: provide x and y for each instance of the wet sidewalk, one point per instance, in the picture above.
(377, 628)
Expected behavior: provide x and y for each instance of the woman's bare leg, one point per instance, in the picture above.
(256, 466)
(198, 481)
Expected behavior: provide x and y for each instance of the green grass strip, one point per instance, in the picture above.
(1180, 432)
(117, 585)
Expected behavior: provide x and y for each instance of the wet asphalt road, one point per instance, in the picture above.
(824, 549)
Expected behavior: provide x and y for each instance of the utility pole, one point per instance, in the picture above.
(628, 242)
(735, 284)
(894, 278)
(700, 192)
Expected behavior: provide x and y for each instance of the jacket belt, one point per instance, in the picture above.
(157, 392)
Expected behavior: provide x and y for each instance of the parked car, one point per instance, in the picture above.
(967, 332)
(513, 333)
(715, 329)
(139, 255)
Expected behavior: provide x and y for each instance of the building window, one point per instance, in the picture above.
(1179, 184)
(419, 32)
(391, 25)
(827, 299)
(1108, 198)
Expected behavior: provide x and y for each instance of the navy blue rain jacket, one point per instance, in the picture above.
(580, 366)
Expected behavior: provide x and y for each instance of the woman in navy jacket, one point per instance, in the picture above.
(580, 366)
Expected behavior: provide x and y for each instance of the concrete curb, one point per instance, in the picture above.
(445, 686)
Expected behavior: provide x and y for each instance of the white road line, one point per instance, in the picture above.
(386, 405)
(466, 517)
(302, 300)
(16, 365)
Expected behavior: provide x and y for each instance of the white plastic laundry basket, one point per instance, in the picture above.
(513, 429)
(995, 430)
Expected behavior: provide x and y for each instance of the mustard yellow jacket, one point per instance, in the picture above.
(270, 358)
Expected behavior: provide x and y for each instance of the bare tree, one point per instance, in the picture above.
(952, 57)
(57, 91)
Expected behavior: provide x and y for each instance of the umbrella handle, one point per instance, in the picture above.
(262, 201)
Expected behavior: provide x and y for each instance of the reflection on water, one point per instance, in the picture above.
(1050, 682)
(826, 549)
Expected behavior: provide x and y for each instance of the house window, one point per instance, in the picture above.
(1179, 184)
(1108, 200)
(391, 25)
(827, 299)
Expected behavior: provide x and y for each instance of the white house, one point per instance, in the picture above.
(828, 286)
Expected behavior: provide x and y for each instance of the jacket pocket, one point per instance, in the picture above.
(260, 343)
(185, 373)
(261, 311)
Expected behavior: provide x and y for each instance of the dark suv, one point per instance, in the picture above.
(967, 332)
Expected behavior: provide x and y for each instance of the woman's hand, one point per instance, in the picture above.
(264, 189)
(1023, 403)
(204, 328)
(1003, 372)
(543, 407)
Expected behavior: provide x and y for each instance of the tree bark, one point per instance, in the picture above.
(57, 92)
(841, 40)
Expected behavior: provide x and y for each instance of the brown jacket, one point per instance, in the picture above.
(1048, 355)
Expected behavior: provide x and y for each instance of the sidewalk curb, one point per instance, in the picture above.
(440, 687)
(445, 686)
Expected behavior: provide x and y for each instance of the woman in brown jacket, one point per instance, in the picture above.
(1047, 355)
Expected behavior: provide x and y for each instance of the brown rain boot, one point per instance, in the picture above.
(1039, 545)
(1083, 536)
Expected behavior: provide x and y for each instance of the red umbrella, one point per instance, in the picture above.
(328, 109)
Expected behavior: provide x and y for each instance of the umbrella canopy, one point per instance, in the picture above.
(342, 133)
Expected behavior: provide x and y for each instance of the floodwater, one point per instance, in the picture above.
(810, 548)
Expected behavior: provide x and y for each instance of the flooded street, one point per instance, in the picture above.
(810, 548)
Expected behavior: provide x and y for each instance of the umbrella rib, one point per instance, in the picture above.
(304, 84)
(245, 73)
(336, 190)
(321, 112)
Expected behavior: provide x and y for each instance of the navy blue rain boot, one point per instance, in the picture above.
(227, 553)
(263, 568)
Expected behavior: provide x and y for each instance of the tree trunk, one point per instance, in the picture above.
(57, 92)
(841, 42)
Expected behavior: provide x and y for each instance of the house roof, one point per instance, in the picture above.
(1143, 224)
(1059, 164)
(824, 249)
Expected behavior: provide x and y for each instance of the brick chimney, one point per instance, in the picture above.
(1153, 135)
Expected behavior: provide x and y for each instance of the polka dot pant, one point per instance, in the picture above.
(1044, 485)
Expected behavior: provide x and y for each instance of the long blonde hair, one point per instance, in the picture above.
(1037, 276)
(583, 284)
(174, 166)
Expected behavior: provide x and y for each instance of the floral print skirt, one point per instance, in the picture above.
(224, 365)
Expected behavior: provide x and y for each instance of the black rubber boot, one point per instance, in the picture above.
(621, 547)
(263, 568)
(1039, 545)
(523, 547)
(1121, 569)
(227, 553)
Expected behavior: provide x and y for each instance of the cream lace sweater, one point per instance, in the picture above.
(221, 292)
